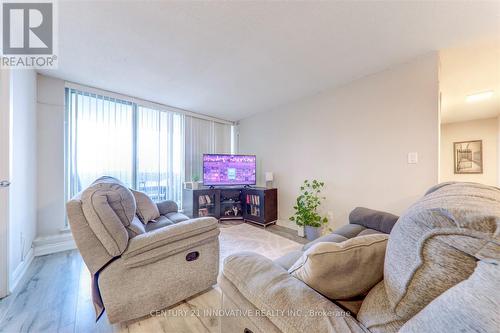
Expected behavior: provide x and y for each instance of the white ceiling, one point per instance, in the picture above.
(465, 71)
(233, 59)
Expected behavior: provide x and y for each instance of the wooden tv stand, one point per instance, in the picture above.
(253, 204)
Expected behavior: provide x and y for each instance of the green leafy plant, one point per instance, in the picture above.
(307, 204)
(196, 178)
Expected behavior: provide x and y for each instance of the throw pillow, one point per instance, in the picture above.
(146, 209)
(343, 270)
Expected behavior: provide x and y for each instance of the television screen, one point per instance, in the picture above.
(222, 169)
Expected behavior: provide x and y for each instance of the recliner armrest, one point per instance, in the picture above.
(271, 289)
(169, 235)
(373, 219)
(167, 206)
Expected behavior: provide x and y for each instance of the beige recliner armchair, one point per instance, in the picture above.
(136, 271)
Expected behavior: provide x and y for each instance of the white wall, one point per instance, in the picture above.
(23, 189)
(355, 138)
(498, 151)
(483, 129)
(50, 143)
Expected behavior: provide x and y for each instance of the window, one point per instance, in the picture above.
(100, 139)
(148, 149)
(160, 154)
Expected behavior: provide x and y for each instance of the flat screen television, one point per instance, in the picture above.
(225, 169)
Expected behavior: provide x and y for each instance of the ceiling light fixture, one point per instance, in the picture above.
(481, 96)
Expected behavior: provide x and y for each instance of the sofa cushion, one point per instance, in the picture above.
(146, 209)
(271, 290)
(343, 270)
(109, 207)
(437, 242)
(176, 217)
(349, 230)
(335, 238)
(289, 259)
(351, 305)
(376, 313)
(160, 222)
(373, 219)
(234, 301)
(473, 305)
(369, 232)
(135, 227)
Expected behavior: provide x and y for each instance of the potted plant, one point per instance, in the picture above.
(196, 180)
(306, 209)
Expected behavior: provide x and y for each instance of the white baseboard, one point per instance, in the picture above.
(53, 244)
(287, 223)
(21, 269)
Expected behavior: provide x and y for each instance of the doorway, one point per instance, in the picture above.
(470, 114)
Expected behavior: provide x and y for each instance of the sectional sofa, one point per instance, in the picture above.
(439, 273)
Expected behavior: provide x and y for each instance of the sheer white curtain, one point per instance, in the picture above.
(203, 137)
(100, 139)
(160, 169)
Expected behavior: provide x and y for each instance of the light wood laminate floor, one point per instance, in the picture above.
(54, 295)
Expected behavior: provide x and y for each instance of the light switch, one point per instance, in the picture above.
(413, 158)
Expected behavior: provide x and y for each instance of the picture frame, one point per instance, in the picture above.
(468, 157)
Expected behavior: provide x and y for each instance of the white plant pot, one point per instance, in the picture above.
(195, 185)
(313, 232)
(300, 231)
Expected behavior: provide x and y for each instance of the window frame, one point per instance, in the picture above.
(136, 103)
